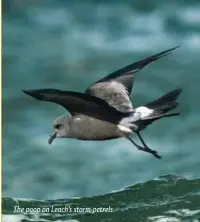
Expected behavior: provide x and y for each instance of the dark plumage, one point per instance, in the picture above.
(105, 111)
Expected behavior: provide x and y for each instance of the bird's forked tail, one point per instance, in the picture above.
(157, 109)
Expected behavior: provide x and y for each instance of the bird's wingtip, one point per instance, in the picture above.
(173, 48)
(26, 91)
(179, 90)
(37, 93)
(32, 93)
(178, 46)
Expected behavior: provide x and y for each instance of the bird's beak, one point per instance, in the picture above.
(52, 137)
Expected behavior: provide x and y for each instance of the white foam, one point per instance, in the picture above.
(19, 218)
(179, 213)
(183, 212)
(163, 219)
(13, 218)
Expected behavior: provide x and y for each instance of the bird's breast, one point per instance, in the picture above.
(88, 128)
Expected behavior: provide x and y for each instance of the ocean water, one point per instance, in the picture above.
(68, 45)
(167, 198)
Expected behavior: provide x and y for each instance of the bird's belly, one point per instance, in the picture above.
(93, 129)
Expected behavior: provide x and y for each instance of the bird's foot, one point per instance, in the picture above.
(148, 150)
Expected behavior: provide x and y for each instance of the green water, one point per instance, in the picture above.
(68, 45)
(167, 198)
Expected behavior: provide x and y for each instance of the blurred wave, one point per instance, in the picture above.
(167, 198)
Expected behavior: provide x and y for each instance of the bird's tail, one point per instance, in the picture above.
(157, 109)
(165, 103)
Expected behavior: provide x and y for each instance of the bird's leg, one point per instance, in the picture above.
(144, 144)
(145, 149)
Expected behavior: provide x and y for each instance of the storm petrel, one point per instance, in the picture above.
(105, 111)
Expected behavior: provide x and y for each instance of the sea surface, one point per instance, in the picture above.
(68, 45)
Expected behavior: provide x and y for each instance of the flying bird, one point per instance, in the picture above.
(105, 111)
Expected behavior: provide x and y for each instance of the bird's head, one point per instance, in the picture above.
(60, 128)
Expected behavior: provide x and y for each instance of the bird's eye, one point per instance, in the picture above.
(57, 126)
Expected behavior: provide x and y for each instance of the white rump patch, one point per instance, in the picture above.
(144, 111)
(140, 113)
(127, 121)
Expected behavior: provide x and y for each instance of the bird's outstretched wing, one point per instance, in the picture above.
(79, 103)
(116, 87)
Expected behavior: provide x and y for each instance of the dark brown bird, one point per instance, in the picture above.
(105, 111)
